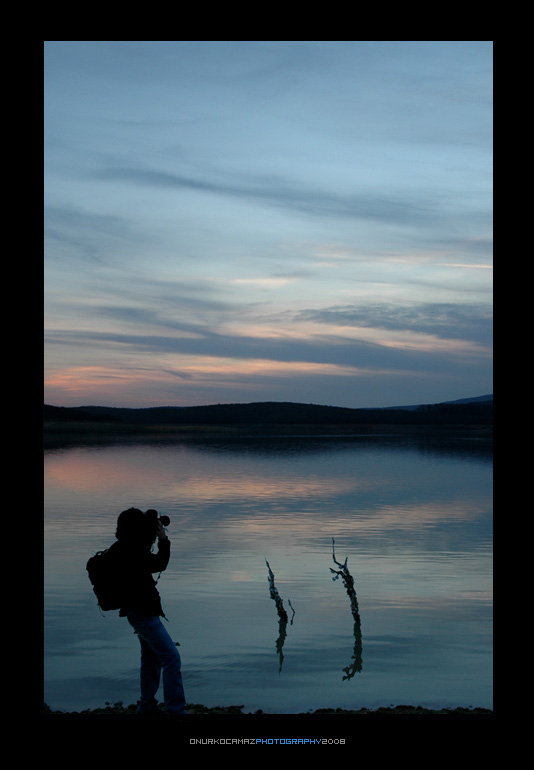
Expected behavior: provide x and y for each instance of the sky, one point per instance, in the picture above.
(241, 221)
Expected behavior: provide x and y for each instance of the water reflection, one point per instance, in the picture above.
(416, 522)
(348, 582)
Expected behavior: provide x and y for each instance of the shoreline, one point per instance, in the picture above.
(196, 709)
(62, 434)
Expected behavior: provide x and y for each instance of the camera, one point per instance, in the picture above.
(164, 520)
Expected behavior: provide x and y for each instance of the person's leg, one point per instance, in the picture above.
(150, 668)
(150, 678)
(152, 631)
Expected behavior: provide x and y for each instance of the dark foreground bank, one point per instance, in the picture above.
(119, 710)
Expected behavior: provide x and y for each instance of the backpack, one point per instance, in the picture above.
(106, 576)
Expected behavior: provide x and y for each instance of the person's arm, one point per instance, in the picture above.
(159, 561)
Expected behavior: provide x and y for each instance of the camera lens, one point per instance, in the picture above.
(165, 520)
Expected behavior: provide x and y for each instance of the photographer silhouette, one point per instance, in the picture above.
(136, 534)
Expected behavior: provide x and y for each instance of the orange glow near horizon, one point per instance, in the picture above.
(99, 384)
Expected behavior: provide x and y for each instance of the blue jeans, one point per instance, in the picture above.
(158, 653)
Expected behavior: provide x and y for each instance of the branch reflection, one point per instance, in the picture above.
(348, 582)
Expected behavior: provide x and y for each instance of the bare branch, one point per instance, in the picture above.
(348, 582)
(282, 614)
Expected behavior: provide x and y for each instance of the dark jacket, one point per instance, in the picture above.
(138, 564)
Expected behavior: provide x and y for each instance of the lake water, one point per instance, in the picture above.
(412, 516)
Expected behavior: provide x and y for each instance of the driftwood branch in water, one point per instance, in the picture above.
(282, 614)
(348, 582)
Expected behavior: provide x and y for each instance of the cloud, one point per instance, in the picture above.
(402, 209)
(336, 349)
(73, 234)
(268, 282)
(444, 320)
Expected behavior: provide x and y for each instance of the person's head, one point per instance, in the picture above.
(137, 528)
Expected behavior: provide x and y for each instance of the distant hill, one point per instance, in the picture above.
(477, 399)
(73, 414)
(263, 414)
